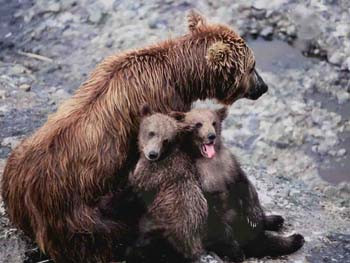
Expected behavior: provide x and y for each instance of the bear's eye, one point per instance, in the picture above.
(151, 134)
(166, 141)
(214, 123)
(199, 125)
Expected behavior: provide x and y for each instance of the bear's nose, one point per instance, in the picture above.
(152, 155)
(211, 136)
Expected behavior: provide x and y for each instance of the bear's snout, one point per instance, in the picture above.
(152, 155)
(258, 89)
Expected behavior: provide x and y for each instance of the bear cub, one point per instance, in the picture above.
(237, 223)
(166, 179)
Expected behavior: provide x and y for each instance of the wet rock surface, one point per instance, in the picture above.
(294, 141)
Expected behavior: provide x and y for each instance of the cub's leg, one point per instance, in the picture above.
(269, 244)
(231, 252)
(273, 222)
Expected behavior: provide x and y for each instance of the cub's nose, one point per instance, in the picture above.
(211, 136)
(152, 155)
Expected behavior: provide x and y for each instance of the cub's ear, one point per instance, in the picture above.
(222, 113)
(195, 21)
(177, 115)
(219, 55)
(185, 128)
(145, 110)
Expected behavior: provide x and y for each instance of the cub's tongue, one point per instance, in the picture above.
(209, 150)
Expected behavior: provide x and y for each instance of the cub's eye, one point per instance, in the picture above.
(214, 123)
(151, 134)
(199, 125)
(166, 141)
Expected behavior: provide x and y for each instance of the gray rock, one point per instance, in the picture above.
(291, 30)
(11, 142)
(341, 152)
(267, 32)
(326, 145)
(96, 14)
(342, 96)
(268, 4)
(346, 64)
(336, 58)
(3, 109)
(259, 14)
(53, 7)
(60, 95)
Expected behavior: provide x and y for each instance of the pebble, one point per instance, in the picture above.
(3, 94)
(17, 69)
(109, 43)
(25, 87)
(157, 23)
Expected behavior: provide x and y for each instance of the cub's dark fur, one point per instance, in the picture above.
(167, 179)
(237, 223)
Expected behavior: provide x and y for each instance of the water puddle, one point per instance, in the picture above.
(277, 56)
(332, 169)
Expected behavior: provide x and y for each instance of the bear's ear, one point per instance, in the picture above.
(219, 55)
(222, 113)
(177, 115)
(195, 21)
(145, 110)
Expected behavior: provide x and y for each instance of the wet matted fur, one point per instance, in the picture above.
(54, 178)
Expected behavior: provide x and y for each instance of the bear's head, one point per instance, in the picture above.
(230, 62)
(206, 137)
(158, 133)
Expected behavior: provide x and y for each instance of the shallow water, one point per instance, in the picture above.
(277, 56)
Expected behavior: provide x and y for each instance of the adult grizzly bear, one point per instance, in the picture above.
(53, 179)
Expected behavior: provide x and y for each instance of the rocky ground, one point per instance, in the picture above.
(294, 141)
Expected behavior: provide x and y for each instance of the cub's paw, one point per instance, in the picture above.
(274, 222)
(297, 241)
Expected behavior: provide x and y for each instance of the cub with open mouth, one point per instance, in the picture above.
(237, 223)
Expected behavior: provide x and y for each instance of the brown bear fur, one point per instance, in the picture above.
(237, 223)
(178, 209)
(53, 179)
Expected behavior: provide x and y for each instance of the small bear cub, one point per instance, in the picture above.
(237, 223)
(167, 180)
